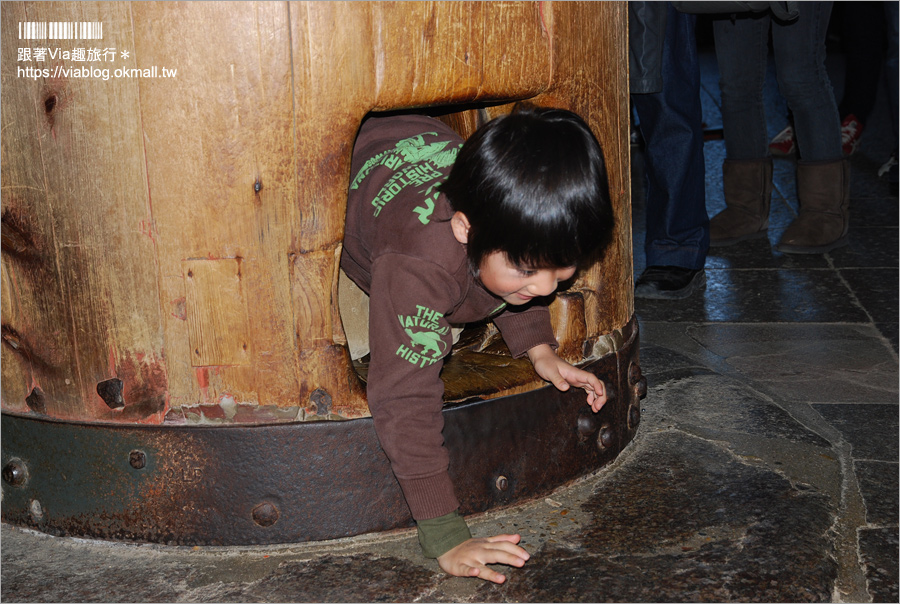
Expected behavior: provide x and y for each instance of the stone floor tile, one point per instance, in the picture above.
(712, 529)
(890, 332)
(879, 487)
(656, 359)
(877, 291)
(870, 429)
(353, 578)
(869, 247)
(864, 182)
(876, 212)
(760, 296)
(761, 254)
(718, 407)
(808, 363)
(878, 551)
(114, 574)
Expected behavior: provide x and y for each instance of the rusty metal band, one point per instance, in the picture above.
(287, 483)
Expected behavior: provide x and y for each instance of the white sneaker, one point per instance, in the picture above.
(783, 144)
(851, 133)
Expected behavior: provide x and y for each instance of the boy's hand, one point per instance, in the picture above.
(549, 366)
(469, 558)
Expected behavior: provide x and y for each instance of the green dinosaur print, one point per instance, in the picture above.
(415, 162)
(445, 158)
(428, 340)
(430, 337)
(414, 154)
(393, 158)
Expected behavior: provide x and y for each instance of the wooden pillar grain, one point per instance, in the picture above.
(79, 276)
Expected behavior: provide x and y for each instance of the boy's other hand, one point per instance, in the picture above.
(470, 558)
(549, 366)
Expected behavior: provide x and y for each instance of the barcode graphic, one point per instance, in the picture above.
(60, 30)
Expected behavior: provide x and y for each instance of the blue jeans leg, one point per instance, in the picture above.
(671, 125)
(742, 45)
(799, 47)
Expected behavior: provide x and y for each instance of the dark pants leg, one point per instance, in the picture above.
(890, 64)
(863, 35)
(799, 49)
(671, 125)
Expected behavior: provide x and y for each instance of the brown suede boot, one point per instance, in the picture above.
(823, 189)
(748, 192)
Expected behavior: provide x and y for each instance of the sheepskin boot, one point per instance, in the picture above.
(823, 190)
(748, 193)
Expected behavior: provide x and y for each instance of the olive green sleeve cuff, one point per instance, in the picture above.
(437, 536)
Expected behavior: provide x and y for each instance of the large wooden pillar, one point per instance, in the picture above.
(172, 218)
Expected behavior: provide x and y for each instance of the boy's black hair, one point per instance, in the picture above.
(533, 185)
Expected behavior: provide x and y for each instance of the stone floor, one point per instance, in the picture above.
(765, 467)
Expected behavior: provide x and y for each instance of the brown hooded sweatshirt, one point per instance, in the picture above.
(400, 250)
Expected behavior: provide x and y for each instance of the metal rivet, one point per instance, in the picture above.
(502, 483)
(587, 425)
(265, 514)
(634, 373)
(605, 437)
(641, 388)
(137, 459)
(634, 416)
(15, 473)
(37, 511)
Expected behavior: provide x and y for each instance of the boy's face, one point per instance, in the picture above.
(520, 285)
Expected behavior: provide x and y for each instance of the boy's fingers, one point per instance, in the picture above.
(595, 384)
(508, 545)
(595, 399)
(580, 377)
(489, 575)
(504, 537)
(505, 556)
(590, 383)
(512, 560)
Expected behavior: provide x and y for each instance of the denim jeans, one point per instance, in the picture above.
(799, 49)
(671, 124)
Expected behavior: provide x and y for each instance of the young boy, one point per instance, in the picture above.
(441, 232)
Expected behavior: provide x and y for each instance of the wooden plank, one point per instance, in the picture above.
(335, 83)
(433, 53)
(89, 209)
(32, 309)
(590, 42)
(220, 146)
(217, 314)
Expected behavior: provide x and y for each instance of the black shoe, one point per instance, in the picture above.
(668, 282)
